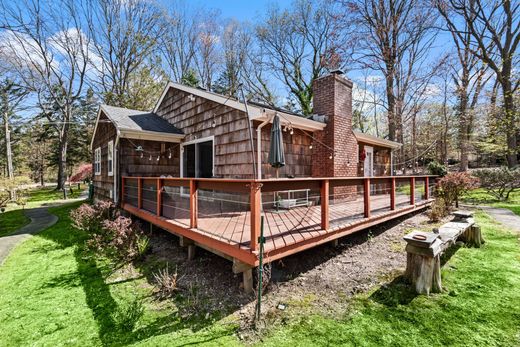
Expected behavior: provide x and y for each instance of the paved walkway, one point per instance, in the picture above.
(40, 219)
(504, 216)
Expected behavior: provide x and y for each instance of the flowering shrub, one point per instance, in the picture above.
(83, 173)
(453, 185)
(110, 234)
(499, 182)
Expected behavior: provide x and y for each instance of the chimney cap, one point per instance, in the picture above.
(337, 72)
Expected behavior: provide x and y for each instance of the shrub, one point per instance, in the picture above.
(437, 169)
(453, 185)
(109, 234)
(143, 245)
(499, 182)
(166, 283)
(438, 210)
(82, 174)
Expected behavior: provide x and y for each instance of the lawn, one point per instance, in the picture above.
(54, 294)
(481, 197)
(11, 221)
(51, 194)
(479, 307)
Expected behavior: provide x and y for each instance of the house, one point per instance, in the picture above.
(195, 133)
(197, 166)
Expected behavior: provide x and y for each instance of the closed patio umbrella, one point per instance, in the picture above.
(276, 153)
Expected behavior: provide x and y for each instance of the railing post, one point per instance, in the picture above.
(366, 196)
(392, 194)
(193, 203)
(412, 190)
(255, 206)
(426, 188)
(122, 191)
(159, 196)
(139, 193)
(324, 193)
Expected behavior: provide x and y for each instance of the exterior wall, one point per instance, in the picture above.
(232, 147)
(103, 183)
(131, 163)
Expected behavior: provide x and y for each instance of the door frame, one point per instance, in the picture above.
(368, 149)
(194, 142)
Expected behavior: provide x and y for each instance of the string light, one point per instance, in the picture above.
(142, 155)
(150, 158)
(310, 146)
(291, 131)
(169, 153)
(330, 156)
(158, 157)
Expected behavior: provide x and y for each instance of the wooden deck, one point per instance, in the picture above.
(224, 216)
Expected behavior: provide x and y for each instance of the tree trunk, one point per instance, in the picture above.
(8, 150)
(62, 158)
(510, 122)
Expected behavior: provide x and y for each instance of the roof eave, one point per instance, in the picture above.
(150, 135)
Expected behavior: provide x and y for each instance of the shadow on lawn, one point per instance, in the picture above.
(100, 300)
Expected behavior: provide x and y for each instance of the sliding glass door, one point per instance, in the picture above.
(197, 159)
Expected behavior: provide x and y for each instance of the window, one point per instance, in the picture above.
(97, 161)
(197, 159)
(110, 158)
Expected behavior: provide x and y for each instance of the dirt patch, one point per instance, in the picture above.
(321, 279)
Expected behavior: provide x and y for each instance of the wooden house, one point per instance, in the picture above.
(197, 166)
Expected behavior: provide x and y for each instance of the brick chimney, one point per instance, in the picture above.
(333, 99)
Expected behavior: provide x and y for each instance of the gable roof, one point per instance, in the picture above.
(138, 124)
(256, 111)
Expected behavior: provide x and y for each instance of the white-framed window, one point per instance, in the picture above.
(97, 161)
(110, 158)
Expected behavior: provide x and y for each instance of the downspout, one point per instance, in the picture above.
(115, 167)
(259, 146)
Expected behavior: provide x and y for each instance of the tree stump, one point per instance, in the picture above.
(424, 272)
(473, 236)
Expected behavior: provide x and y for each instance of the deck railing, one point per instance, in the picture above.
(231, 209)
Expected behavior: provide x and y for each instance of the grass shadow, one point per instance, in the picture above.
(397, 292)
(92, 278)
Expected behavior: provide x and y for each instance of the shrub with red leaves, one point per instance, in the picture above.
(82, 174)
(109, 233)
(453, 185)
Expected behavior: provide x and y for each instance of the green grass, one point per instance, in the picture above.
(479, 307)
(55, 295)
(11, 221)
(481, 197)
(51, 194)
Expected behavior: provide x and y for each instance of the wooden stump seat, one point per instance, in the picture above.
(424, 249)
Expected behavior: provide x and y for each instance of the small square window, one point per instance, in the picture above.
(110, 158)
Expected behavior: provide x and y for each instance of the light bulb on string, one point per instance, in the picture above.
(310, 146)
(291, 131)
(169, 154)
(141, 155)
(150, 158)
(158, 157)
(330, 156)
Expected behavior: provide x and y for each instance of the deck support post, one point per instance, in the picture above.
(247, 274)
(159, 196)
(256, 207)
(426, 188)
(366, 197)
(139, 193)
(412, 190)
(392, 193)
(324, 199)
(190, 244)
(193, 204)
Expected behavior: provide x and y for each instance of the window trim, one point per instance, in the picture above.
(194, 142)
(97, 161)
(110, 158)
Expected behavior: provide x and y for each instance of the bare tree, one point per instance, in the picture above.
(298, 46)
(50, 53)
(178, 44)
(125, 33)
(394, 38)
(491, 31)
(207, 56)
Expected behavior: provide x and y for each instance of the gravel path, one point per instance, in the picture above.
(40, 219)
